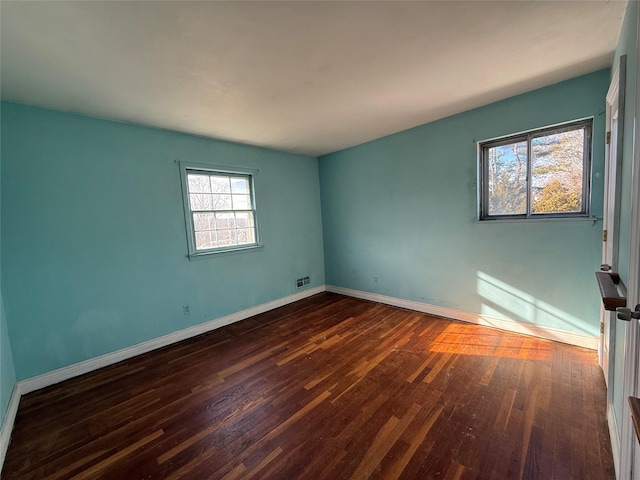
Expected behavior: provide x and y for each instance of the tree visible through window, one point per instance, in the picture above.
(540, 173)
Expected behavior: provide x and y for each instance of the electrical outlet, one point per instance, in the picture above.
(375, 279)
(186, 309)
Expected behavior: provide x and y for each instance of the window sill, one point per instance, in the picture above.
(217, 253)
(578, 219)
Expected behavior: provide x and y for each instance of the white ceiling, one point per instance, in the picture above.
(305, 77)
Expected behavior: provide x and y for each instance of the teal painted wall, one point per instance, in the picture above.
(93, 235)
(627, 44)
(94, 247)
(399, 217)
(7, 370)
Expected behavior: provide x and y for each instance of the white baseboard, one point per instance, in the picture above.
(50, 378)
(86, 366)
(55, 376)
(571, 338)
(615, 442)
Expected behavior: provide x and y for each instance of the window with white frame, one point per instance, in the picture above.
(537, 174)
(220, 209)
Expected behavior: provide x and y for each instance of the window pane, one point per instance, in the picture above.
(205, 240)
(199, 183)
(507, 168)
(200, 201)
(246, 236)
(239, 185)
(557, 164)
(241, 202)
(221, 202)
(226, 237)
(225, 220)
(244, 219)
(204, 221)
(220, 184)
(220, 206)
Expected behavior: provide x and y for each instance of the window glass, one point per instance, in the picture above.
(221, 211)
(557, 172)
(507, 179)
(537, 174)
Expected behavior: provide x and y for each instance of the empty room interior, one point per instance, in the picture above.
(319, 240)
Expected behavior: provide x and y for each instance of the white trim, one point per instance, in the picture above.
(614, 86)
(571, 338)
(86, 366)
(7, 425)
(50, 378)
(621, 432)
(613, 434)
(609, 248)
(65, 373)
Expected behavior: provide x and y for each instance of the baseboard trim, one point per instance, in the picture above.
(86, 366)
(615, 442)
(65, 373)
(571, 338)
(7, 424)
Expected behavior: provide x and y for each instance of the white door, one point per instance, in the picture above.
(633, 294)
(623, 346)
(614, 338)
(633, 298)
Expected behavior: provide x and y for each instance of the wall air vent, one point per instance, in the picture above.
(301, 282)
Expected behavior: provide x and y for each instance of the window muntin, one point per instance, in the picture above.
(542, 173)
(220, 210)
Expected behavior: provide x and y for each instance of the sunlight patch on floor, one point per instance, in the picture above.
(475, 340)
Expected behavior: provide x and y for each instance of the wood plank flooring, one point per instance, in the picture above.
(330, 387)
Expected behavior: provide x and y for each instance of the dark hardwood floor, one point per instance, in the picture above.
(330, 387)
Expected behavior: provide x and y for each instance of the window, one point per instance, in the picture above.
(538, 174)
(219, 209)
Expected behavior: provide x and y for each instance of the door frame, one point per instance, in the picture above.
(633, 292)
(615, 101)
(630, 449)
(611, 210)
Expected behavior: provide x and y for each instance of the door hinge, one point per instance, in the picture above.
(604, 235)
(608, 138)
(601, 327)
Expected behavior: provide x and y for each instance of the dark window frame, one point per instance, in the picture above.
(528, 136)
